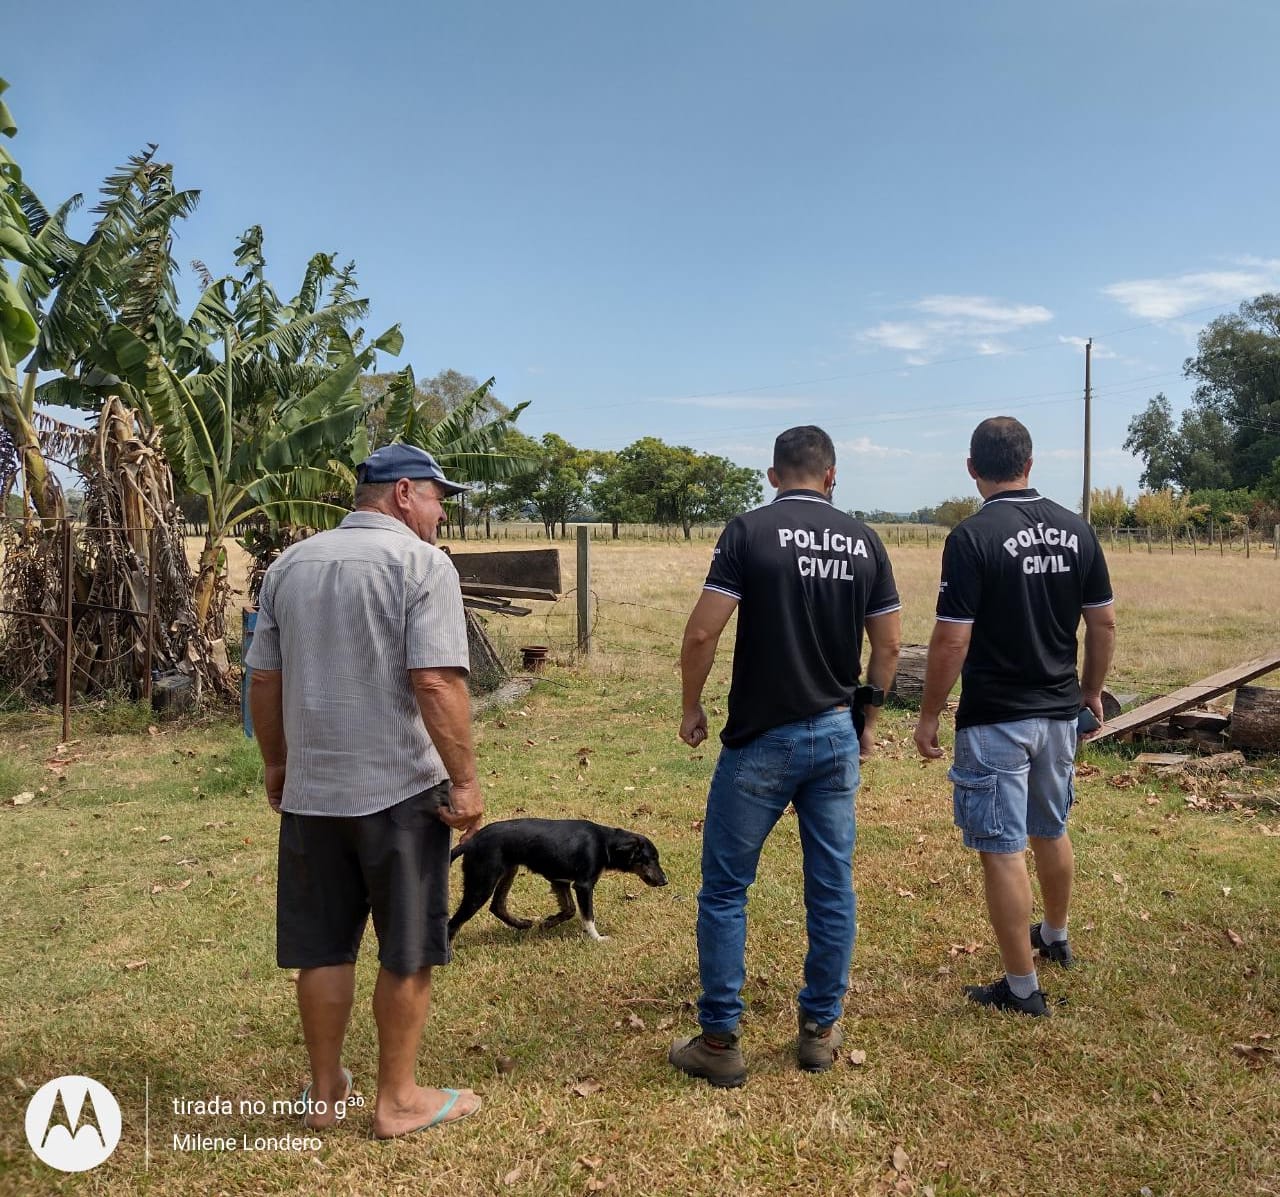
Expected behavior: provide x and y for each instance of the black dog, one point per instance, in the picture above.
(570, 853)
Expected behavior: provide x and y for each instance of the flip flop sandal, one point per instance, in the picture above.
(441, 1116)
(304, 1098)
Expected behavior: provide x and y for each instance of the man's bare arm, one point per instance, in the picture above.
(697, 654)
(266, 706)
(1099, 646)
(884, 635)
(948, 647)
(445, 705)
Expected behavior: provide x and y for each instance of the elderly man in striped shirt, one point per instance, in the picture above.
(363, 717)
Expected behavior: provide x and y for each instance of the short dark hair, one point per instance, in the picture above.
(805, 451)
(1000, 449)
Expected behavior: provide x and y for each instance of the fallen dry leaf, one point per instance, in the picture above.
(23, 799)
(132, 966)
(1122, 781)
(635, 1022)
(590, 1162)
(512, 1176)
(1117, 878)
(900, 1160)
(857, 1057)
(183, 884)
(904, 893)
(1257, 1054)
(1236, 940)
(156, 887)
(587, 1086)
(165, 839)
(505, 1065)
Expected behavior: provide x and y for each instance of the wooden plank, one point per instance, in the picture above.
(1161, 758)
(1188, 696)
(537, 568)
(492, 590)
(501, 606)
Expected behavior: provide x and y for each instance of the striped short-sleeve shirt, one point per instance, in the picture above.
(345, 615)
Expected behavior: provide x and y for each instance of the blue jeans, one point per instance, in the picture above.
(1013, 780)
(812, 763)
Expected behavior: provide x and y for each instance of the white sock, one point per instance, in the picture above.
(1023, 987)
(1053, 934)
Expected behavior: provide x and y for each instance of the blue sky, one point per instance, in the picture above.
(709, 221)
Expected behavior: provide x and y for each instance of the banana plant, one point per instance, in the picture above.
(34, 248)
(282, 470)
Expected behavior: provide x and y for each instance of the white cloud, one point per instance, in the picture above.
(1165, 298)
(892, 335)
(1099, 351)
(740, 403)
(982, 314)
(863, 446)
(955, 323)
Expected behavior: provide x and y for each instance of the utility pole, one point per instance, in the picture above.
(1086, 507)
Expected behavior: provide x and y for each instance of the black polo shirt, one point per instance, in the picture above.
(1020, 570)
(806, 576)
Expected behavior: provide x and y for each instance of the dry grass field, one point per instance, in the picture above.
(136, 921)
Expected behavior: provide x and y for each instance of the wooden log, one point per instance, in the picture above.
(1210, 721)
(908, 686)
(1255, 719)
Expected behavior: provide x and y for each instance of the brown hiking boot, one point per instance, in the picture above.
(716, 1059)
(816, 1046)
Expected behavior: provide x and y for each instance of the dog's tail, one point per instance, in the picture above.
(459, 850)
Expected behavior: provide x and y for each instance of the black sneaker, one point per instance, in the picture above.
(1059, 951)
(999, 995)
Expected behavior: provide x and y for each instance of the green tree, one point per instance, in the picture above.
(608, 493)
(675, 486)
(959, 507)
(551, 486)
(1164, 510)
(1108, 508)
(1229, 436)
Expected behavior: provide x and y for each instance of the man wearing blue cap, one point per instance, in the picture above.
(362, 715)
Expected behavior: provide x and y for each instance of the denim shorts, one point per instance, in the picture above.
(1013, 780)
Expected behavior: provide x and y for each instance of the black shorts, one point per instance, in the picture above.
(335, 871)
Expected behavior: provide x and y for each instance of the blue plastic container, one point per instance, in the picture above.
(248, 621)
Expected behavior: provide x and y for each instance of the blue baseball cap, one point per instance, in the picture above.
(393, 462)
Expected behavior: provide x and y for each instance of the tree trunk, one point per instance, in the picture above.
(615, 529)
(688, 530)
(1255, 719)
(42, 490)
(206, 582)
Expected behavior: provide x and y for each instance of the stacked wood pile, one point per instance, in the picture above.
(1253, 723)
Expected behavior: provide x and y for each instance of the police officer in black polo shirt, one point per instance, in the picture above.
(805, 579)
(1016, 578)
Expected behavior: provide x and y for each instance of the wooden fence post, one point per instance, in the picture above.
(584, 591)
(1246, 541)
(1275, 536)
